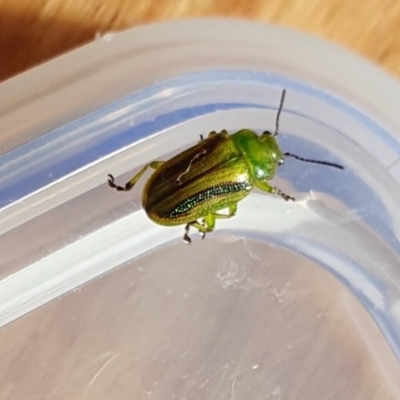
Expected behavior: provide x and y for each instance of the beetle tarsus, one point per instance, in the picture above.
(285, 196)
(186, 237)
(110, 179)
(111, 182)
(203, 235)
(112, 185)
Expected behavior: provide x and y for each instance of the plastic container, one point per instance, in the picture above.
(284, 301)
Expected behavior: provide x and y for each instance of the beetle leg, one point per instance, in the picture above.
(209, 220)
(232, 210)
(208, 223)
(265, 187)
(186, 238)
(129, 185)
(223, 132)
(201, 228)
(231, 213)
(284, 196)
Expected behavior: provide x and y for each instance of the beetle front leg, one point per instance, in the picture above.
(284, 196)
(129, 185)
(265, 187)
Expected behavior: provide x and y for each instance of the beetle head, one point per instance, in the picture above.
(272, 153)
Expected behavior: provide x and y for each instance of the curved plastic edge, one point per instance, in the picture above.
(114, 244)
(115, 65)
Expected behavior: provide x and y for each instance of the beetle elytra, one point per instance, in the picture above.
(193, 187)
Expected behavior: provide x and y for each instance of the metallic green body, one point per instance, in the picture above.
(194, 186)
(213, 175)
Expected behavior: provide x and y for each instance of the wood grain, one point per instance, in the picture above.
(32, 31)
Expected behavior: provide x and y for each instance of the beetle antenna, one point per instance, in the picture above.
(329, 164)
(279, 112)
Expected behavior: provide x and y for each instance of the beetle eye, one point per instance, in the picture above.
(267, 133)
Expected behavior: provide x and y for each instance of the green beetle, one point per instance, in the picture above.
(215, 174)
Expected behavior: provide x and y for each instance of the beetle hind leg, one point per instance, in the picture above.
(130, 184)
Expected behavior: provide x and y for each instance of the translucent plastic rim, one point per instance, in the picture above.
(121, 61)
(118, 64)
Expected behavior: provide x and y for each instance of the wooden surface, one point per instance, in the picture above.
(32, 31)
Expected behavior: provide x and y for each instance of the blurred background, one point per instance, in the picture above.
(33, 31)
